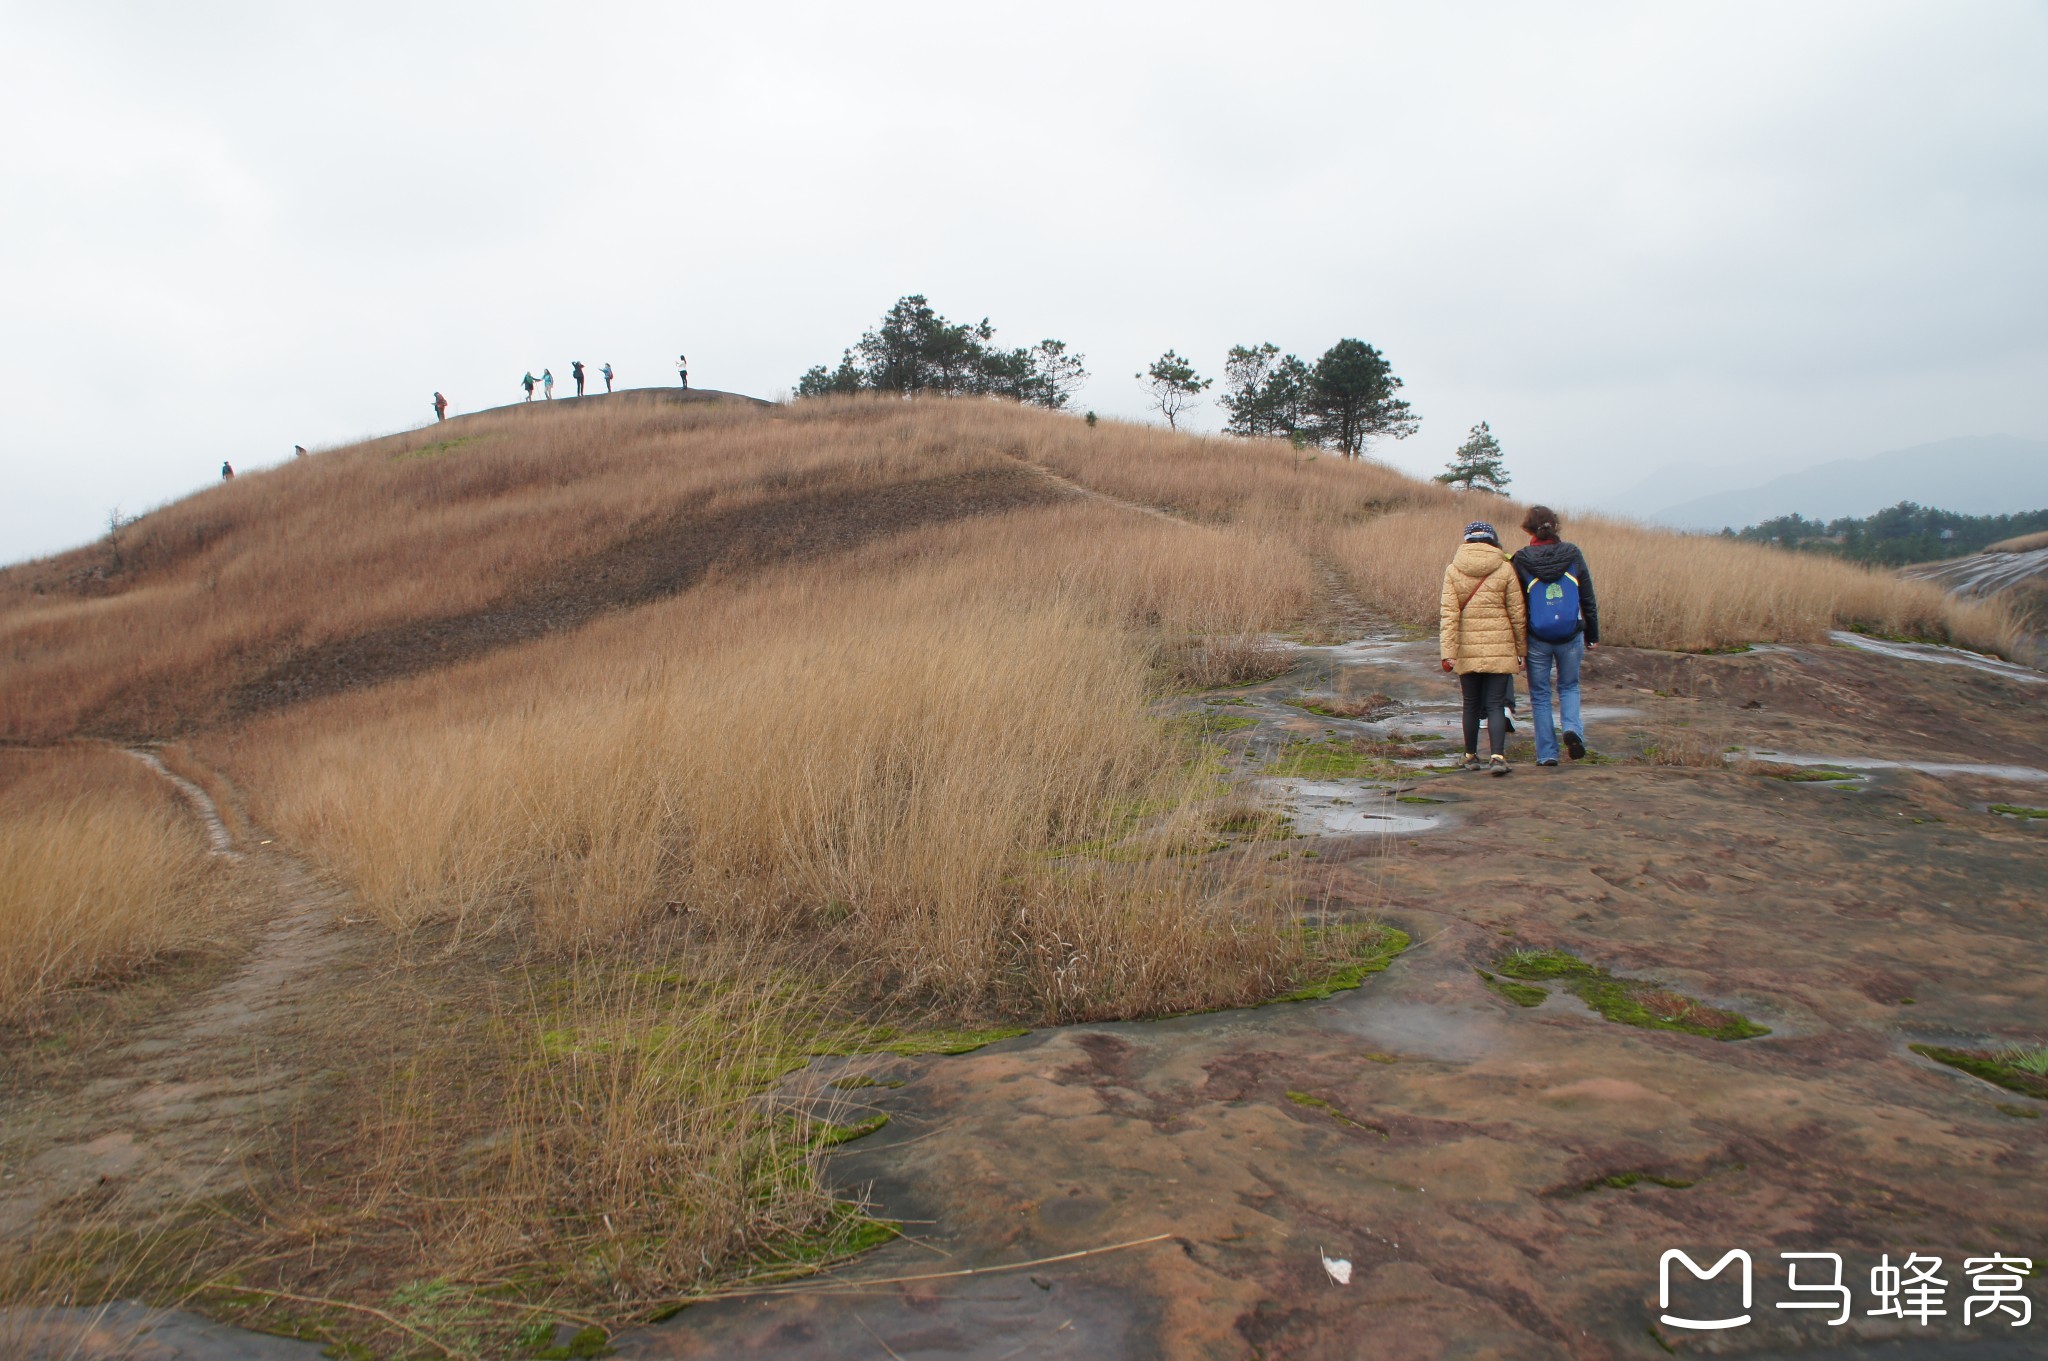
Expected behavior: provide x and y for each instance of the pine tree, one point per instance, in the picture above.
(1477, 464)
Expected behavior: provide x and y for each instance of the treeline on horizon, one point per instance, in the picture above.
(1343, 401)
(1895, 536)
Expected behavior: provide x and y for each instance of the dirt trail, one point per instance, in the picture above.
(1081, 489)
(198, 799)
(170, 1114)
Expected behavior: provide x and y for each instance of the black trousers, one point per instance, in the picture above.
(1486, 696)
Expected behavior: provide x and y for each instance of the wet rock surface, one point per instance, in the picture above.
(1504, 1178)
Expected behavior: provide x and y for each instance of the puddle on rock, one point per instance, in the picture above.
(1339, 808)
(1942, 656)
(1995, 772)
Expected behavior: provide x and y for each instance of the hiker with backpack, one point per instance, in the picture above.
(576, 372)
(607, 372)
(1564, 624)
(527, 382)
(440, 407)
(1482, 636)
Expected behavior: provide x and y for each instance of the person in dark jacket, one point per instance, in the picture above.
(1553, 572)
(576, 372)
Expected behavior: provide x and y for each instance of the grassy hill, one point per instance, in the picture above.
(626, 754)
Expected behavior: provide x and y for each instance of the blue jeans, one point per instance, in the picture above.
(1566, 657)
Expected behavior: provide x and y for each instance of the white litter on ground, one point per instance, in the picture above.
(1339, 1269)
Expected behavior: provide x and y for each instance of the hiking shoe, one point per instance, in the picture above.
(1498, 766)
(1575, 744)
(1472, 762)
(1551, 762)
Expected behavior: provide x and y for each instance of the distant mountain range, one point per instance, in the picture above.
(1971, 475)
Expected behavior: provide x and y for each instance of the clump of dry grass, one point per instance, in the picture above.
(2022, 543)
(101, 872)
(892, 775)
(1240, 660)
(1678, 592)
(1695, 748)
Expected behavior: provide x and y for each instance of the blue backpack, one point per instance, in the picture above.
(1554, 609)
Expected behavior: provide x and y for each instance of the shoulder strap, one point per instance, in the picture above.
(1473, 592)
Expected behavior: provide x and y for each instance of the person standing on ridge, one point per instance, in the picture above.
(607, 371)
(527, 382)
(227, 471)
(440, 407)
(683, 370)
(1564, 625)
(576, 372)
(1483, 636)
(547, 384)
(298, 451)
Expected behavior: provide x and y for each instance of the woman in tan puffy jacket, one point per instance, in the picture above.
(1484, 636)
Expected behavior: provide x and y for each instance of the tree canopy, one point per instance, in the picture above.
(1478, 465)
(1344, 402)
(1174, 385)
(916, 350)
(1896, 535)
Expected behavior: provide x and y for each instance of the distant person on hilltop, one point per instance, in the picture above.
(683, 370)
(528, 382)
(1483, 636)
(440, 407)
(1564, 625)
(547, 384)
(607, 371)
(298, 451)
(227, 471)
(576, 372)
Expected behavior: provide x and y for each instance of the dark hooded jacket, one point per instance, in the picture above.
(1551, 559)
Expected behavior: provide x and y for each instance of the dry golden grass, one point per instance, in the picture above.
(213, 589)
(1679, 592)
(1265, 482)
(892, 759)
(101, 872)
(2023, 543)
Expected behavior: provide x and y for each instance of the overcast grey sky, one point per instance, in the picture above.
(1747, 237)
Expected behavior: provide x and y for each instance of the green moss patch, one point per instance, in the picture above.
(1262, 824)
(1372, 948)
(828, 1135)
(1811, 774)
(1417, 798)
(2017, 1068)
(889, 1040)
(1521, 994)
(1340, 760)
(1629, 1001)
(1331, 1109)
(2014, 810)
(1622, 1181)
(1329, 706)
(1205, 723)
